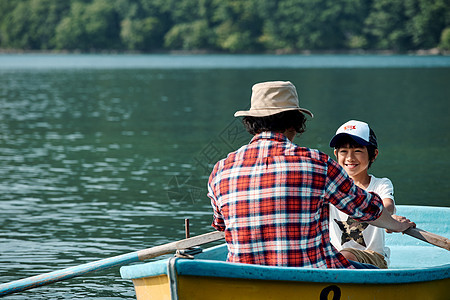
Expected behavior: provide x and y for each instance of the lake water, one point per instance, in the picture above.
(107, 154)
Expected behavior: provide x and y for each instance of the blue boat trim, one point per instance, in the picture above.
(245, 271)
(211, 268)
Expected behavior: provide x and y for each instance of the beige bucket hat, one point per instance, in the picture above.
(272, 97)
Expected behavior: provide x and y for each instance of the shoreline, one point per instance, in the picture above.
(421, 52)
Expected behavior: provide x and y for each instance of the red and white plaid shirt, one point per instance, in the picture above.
(271, 198)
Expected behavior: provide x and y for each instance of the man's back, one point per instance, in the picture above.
(269, 197)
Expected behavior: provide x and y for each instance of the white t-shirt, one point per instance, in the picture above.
(373, 237)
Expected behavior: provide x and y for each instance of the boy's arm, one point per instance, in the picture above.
(389, 205)
(392, 223)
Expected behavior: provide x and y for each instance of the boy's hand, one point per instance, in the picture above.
(401, 225)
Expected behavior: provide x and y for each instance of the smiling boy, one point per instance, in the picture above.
(355, 147)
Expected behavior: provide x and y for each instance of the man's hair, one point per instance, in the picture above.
(279, 122)
(346, 140)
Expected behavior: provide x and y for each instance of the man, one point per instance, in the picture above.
(271, 197)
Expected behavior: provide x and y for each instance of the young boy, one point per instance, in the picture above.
(355, 147)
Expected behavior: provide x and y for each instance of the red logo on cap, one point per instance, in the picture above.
(349, 127)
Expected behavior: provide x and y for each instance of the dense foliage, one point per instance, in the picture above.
(248, 26)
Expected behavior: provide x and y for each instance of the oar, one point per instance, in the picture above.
(429, 237)
(47, 278)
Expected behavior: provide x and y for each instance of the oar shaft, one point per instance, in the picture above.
(60, 275)
(51, 277)
(429, 237)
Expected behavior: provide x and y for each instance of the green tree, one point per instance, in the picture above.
(192, 27)
(31, 24)
(89, 26)
(314, 24)
(141, 34)
(15, 29)
(102, 25)
(238, 26)
(143, 24)
(189, 36)
(70, 32)
(6, 8)
(350, 21)
(445, 39)
(426, 19)
(385, 27)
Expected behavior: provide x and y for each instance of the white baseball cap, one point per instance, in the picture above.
(359, 131)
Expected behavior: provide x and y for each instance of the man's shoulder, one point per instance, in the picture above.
(313, 154)
(228, 160)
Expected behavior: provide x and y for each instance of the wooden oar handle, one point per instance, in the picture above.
(182, 244)
(429, 237)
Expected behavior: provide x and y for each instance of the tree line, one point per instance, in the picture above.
(230, 26)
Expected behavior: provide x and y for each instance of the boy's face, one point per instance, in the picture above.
(354, 160)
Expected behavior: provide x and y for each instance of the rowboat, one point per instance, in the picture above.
(418, 270)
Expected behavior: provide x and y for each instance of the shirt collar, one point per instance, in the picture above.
(270, 135)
